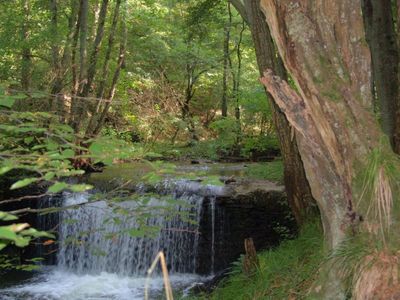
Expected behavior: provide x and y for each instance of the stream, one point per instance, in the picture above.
(101, 255)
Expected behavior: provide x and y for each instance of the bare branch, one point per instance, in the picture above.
(239, 6)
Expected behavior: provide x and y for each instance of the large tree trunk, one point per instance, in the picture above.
(297, 187)
(323, 46)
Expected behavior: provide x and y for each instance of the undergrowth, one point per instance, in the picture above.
(269, 171)
(285, 272)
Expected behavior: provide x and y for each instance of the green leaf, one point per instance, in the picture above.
(37, 147)
(51, 146)
(23, 183)
(7, 101)
(36, 234)
(7, 217)
(58, 187)
(77, 188)
(28, 140)
(22, 241)
(49, 176)
(4, 170)
(6, 233)
(68, 153)
(96, 149)
(29, 268)
(2, 245)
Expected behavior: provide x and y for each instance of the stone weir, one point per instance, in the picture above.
(231, 213)
(241, 208)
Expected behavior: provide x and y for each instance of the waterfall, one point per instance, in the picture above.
(88, 245)
(97, 258)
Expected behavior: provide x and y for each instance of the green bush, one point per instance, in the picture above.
(259, 144)
(228, 135)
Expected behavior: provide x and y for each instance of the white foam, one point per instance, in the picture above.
(63, 285)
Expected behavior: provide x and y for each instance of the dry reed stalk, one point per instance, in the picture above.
(168, 290)
(382, 203)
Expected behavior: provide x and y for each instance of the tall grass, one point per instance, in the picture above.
(285, 272)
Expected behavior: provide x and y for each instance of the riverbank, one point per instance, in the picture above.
(286, 272)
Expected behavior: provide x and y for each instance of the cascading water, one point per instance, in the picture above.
(101, 260)
(212, 203)
(93, 252)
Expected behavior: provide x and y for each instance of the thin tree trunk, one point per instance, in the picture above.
(105, 69)
(111, 38)
(66, 61)
(381, 37)
(83, 31)
(236, 76)
(227, 29)
(26, 57)
(396, 139)
(120, 63)
(236, 84)
(96, 48)
(74, 65)
(55, 50)
(93, 61)
(80, 104)
(72, 20)
(186, 114)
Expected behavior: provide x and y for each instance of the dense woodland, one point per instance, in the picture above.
(314, 84)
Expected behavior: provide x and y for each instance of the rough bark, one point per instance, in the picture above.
(323, 47)
(381, 37)
(298, 190)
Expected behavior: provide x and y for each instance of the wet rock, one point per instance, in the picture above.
(257, 211)
(208, 286)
